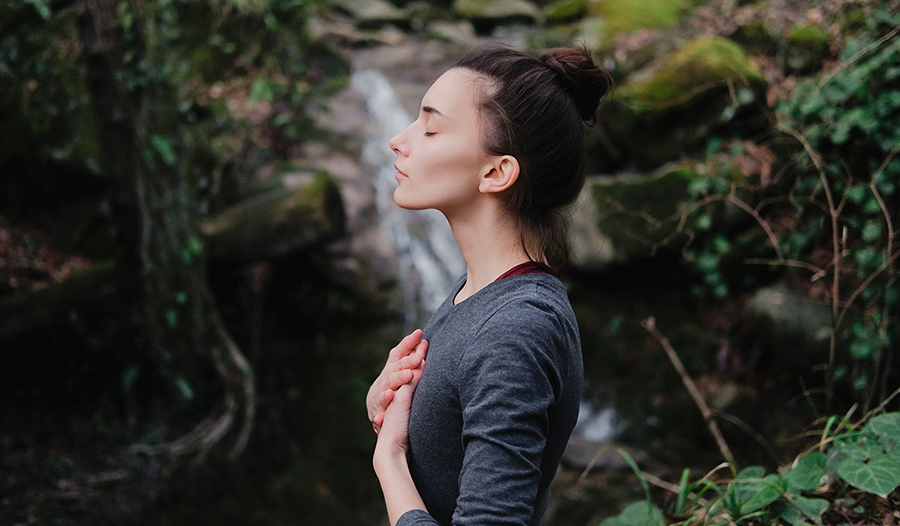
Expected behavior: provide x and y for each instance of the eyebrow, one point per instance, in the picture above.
(435, 111)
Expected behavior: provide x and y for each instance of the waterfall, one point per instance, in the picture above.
(429, 258)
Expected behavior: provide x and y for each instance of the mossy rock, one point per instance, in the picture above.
(625, 16)
(639, 214)
(806, 47)
(565, 11)
(756, 38)
(669, 110)
(372, 14)
(485, 15)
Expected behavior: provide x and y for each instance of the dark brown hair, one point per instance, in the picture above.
(534, 109)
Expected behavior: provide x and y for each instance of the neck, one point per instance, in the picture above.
(490, 244)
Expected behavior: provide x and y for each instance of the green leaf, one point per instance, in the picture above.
(164, 148)
(42, 7)
(129, 376)
(887, 427)
(184, 387)
(808, 472)
(880, 475)
(801, 510)
(640, 513)
(766, 491)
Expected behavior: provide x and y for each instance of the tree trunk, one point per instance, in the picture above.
(161, 257)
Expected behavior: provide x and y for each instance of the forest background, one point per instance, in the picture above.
(189, 325)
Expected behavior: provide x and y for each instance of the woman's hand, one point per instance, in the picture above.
(389, 461)
(402, 361)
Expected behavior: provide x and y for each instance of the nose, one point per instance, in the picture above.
(397, 142)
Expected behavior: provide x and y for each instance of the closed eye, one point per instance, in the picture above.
(429, 134)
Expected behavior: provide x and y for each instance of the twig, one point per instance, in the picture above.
(650, 325)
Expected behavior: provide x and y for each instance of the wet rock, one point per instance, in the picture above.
(668, 110)
(485, 15)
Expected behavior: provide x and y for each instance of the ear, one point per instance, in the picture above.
(500, 175)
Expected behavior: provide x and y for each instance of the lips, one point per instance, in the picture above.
(399, 174)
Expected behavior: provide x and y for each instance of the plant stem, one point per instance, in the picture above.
(650, 325)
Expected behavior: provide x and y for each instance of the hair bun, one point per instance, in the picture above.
(586, 82)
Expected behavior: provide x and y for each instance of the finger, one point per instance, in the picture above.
(378, 421)
(407, 345)
(399, 378)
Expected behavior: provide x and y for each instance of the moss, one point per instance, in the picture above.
(702, 64)
(807, 46)
(811, 37)
(565, 11)
(624, 16)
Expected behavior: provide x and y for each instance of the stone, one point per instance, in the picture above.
(487, 14)
(667, 110)
(806, 47)
(565, 11)
(372, 14)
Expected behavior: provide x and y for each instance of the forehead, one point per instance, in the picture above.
(452, 94)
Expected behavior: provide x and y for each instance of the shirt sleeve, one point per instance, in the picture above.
(416, 518)
(509, 379)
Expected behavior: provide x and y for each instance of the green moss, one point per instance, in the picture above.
(625, 16)
(565, 11)
(701, 65)
(811, 37)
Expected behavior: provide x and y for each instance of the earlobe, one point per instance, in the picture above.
(503, 173)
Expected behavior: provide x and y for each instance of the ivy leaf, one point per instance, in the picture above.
(767, 491)
(641, 513)
(880, 475)
(886, 426)
(808, 472)
(164, 148)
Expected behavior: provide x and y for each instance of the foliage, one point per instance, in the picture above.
(866, 458)
(829, 214)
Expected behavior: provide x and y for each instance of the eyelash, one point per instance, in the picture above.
(429, 134)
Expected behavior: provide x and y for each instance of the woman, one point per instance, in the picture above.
(497, 148)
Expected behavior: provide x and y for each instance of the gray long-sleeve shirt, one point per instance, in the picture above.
(496, 404)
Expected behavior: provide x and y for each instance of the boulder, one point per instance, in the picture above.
(372, 14)
(564, 11)
(668, 109)
(485, 15)
(637, 214)
(806, 47)
(625, 16)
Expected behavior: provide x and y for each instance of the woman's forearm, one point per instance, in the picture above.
(400, 493)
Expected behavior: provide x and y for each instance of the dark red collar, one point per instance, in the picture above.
(529, 267)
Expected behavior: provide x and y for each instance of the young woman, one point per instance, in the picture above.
(497, 148)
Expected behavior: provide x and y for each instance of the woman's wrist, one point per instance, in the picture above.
(400, 493)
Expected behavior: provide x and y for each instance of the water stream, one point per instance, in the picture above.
(429, 259)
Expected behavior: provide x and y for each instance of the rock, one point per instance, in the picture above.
(565, 11)
(634, 214)
(788, 331)
(625, 16)
(372, 14)
(667, 111)
(306, 211)
(485, 15)
(591, 249)
(806, 47)
(756, 38)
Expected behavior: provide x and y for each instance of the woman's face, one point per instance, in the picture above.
(439, 156)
